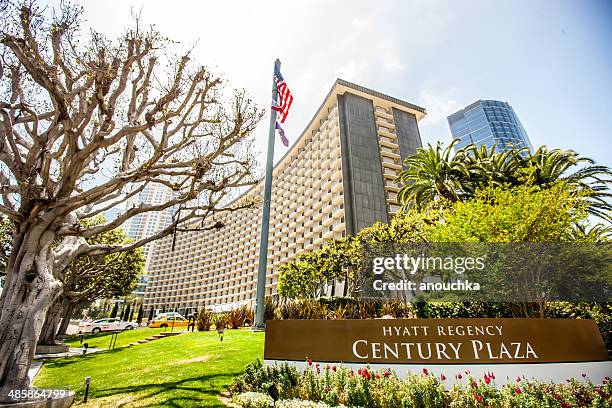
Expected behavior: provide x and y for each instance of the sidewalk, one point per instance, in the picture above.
(71, 352)
(34, 369)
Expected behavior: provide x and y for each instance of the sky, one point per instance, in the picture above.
(551, 60)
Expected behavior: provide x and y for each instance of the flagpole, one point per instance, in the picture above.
(265, 218)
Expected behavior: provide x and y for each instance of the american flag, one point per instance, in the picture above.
(285, 99)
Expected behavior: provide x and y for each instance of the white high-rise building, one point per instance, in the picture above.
(148, 223)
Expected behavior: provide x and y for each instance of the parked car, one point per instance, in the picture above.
(110, 324)
(171, 319)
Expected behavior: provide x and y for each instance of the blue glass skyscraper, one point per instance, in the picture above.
(488, 123)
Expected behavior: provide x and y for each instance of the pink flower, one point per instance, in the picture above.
(459, 376)
(518, 379)
(309, 362)
(359, 371)
(487, 379)
(474, 384)
(478, 398)
(334, 369)
(425, 372)
(518, 390)
(583, 375)
(377, 376)
(387, 373)
(442, 377)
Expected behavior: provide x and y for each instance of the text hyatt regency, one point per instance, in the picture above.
(336, 179)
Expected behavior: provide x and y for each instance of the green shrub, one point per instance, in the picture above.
(269, 307)
(258, 378)
(238, 317)
(220, 320)
(204, 320)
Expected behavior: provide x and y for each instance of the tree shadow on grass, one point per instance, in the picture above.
(188, 395)
(66, 361)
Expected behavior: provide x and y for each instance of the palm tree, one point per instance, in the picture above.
(597, 233)
(591, 181)
(432, 173)
(488, 167)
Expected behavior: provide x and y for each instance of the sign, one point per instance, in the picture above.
(435, 341)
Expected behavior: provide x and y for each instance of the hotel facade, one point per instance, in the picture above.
(336, 179)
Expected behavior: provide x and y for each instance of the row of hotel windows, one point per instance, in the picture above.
(288, 179)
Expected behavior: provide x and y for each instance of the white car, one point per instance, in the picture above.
(110, 324)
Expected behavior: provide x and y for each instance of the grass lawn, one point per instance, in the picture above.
(124, 338)
(183, 371)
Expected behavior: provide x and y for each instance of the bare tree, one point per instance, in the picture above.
(86, 125)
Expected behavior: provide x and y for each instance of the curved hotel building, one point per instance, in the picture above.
(336, 179)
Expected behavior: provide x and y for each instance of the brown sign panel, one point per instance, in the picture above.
(435, 341)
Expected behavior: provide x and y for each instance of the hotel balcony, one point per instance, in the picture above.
(391, 164)
(389, 173)
(390, 153)
(387, 134)
(385, 123)
(387, 143)
(383, 114)
(328, 235)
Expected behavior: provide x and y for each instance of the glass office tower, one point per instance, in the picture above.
(488, 123)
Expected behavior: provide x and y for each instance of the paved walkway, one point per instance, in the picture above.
(34, 369)
(71, 352)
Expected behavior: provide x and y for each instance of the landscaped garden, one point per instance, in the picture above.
(196, 369)
(191, 369)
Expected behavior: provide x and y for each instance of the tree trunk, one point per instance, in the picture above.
(29, 290)
(52, 319)
(67, 313)
(114, 312)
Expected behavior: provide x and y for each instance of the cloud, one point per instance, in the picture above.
(390, 55)
(438, 106)
(358, 22)
(351, 70)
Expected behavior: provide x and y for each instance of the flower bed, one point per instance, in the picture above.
(321, 386)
